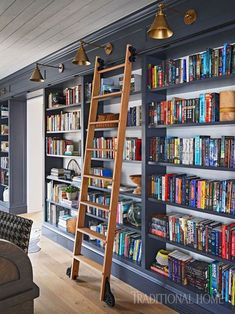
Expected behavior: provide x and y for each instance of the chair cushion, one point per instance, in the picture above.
(15, 229)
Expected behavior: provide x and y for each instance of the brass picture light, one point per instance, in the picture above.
(37, 75)
(81, 57)
(160, 28)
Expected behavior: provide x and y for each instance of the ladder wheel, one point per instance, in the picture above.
(108, 296)
(68, 271)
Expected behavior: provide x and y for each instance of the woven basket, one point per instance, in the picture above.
(108, 117)
(71, 225)
(227, 106)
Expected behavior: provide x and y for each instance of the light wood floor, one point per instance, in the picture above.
(60, 295)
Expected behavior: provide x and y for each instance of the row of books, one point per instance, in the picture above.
(198, 151)
(54, 212)
(73, 95)
(193, 191)
(203, 234)
(4, 129)
(4, 111)
(104, 199)
(65, 121)
(4, 177)
(135, 82)
(4, 162)
(56, 193)
(57, 146)
(4, 146)
(126, 243)
(205, 109)
(134, 116)
(210, 63)
(132, 148)
(103, 172)
(217, 279)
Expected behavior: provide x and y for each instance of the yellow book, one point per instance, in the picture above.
(233, 290)
(203, 194)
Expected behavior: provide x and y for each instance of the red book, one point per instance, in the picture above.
(167, 187)
(158, 270)
(138, 149)
(208, 108)
(233, 244)
(230, 238)
(224, 232)
(158, 233)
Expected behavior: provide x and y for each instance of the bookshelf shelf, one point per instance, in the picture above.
(126, 225)
(128, 128)
(191, 249)
(126, 194)
(194, 83)
(115, 256)
(63, 156)
(63, 181)
(59, 108)
(167, 164)
(111, 160)
(219, 123)
(63, 132)
(207, 211)
(118, 96)
(61, 205)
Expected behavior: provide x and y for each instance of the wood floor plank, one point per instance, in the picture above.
(60, 295)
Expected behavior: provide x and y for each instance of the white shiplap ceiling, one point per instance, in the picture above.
(32, 29)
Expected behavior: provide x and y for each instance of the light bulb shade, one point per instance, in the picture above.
(36, 75)
(81, 57)
(160, 28)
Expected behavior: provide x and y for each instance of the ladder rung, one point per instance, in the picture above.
(93, 176)
(109, 95)
(93, 234)
(101, 149)
(96, 205)
(89, 262)
(115, 67)
(104, 122)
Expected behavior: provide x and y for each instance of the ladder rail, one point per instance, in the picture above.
(118, 160)
(116, 178)
(86, 168)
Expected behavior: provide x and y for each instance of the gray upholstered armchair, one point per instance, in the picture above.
(17, 289)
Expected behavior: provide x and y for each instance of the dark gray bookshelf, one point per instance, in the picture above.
(154, 282)
(13, 161)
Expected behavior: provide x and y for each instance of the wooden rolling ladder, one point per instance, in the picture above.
(105, 293)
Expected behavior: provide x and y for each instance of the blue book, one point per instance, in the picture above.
(226, 285)
(202, 108)
(193, 192)
(215, 278)
(223, 199)
(224, 58)
(204, 65)
(197, 152)
(184, 70)
(107, 172)
(213, 242)
(212, 152)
